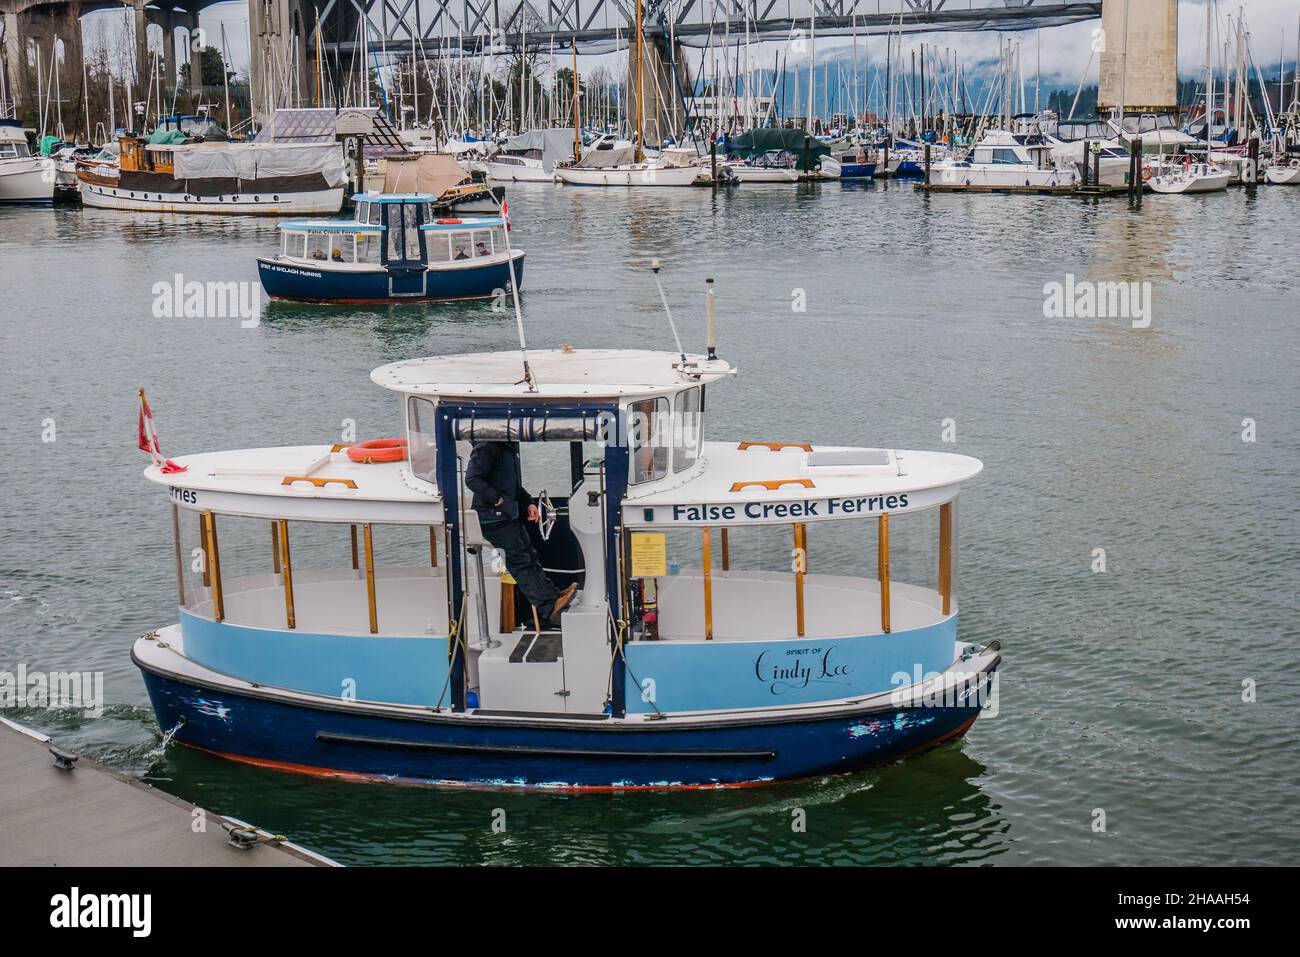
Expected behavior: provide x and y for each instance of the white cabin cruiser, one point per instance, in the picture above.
(531, 157)
(25, 179)
(1002, 160)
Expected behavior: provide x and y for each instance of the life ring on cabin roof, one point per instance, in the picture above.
(1146, 173)
(374, 451)
(1295, 164)
(450, 222)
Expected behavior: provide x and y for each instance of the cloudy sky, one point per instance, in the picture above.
(1064, 51)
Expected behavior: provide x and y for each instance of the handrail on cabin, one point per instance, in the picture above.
(775, 446)
(320, 482)
(772, 484)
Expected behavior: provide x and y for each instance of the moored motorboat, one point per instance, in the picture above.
(396, 249)
(25, 180)
(418, 660)
(1005, 161)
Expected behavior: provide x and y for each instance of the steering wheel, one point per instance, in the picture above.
(546, 513)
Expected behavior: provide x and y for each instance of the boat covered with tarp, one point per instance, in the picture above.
(805, 148)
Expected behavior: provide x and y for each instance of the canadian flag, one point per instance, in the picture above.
(149, 440)
(505, 214)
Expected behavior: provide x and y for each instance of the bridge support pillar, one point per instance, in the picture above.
(13, 58)
(278, 67)
(1148, 75)
(167, 20)
(664, 114)
(141, 79)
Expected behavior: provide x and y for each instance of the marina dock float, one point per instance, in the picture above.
(61, 809)
(1035, 190)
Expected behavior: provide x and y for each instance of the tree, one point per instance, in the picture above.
(212, 69)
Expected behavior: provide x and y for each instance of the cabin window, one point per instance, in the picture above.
(420, 426)
(412, 230)
(461, 246)
(439, 247)
(648, 427)
(318, 246)
(394, 232)
(363, 211)
(1005, 156)
(12, 150)
(367, 247)
(686, 429)
(295, 245)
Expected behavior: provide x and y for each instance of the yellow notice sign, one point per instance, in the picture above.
(649, 555)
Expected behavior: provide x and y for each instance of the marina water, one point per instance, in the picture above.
(1132, 541)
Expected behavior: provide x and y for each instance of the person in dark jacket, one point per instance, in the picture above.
(502, 502)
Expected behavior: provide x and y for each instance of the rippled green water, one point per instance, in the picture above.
(1120, 691)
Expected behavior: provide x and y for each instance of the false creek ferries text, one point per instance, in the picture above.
(825, 507)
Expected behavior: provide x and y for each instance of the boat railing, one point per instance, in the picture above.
(740, 588)
(317, 577)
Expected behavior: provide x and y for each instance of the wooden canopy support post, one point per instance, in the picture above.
(214, 564)
(708, 583)
(945, 556)
(801, 565)
(370, 579)
(275, 546)
(883, 564)
(203, 547)
(433, 548)
(507, 606)
(726, 551)
(286, 567)
(356, 562)
(180, 563)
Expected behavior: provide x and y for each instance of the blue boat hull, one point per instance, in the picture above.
(857, 170)
(305, 284)
(257, 727)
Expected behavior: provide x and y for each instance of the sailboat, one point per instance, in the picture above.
(1192, 175)
(628, 166)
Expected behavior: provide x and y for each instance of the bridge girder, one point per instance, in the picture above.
(599, 26)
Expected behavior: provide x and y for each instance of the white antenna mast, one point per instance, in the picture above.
(654, 267)
(514, 294)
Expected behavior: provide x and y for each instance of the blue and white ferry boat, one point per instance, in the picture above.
(396, 249)
(341, 613)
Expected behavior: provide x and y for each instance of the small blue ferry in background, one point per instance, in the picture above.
(395, 250)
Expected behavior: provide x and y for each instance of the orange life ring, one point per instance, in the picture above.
(378, 450)
(449, 222)
(1146, 173)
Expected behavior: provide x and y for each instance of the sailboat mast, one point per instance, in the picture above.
(640, 87)
(577, 107)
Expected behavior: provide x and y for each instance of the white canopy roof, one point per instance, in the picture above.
(559, 373)
(762, 483)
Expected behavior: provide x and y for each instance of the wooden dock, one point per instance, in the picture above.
(90, 815)
(1024, 190)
